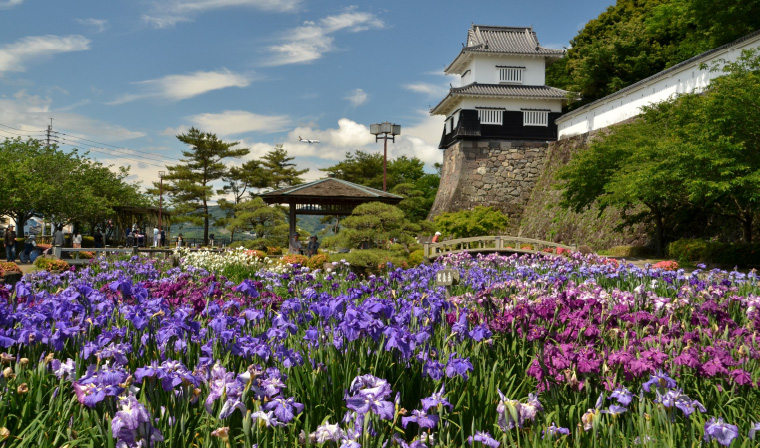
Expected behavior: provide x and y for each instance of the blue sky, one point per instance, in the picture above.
(122, 78)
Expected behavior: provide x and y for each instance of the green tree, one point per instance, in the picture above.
(280, 171)
(267, 222)
(238, 182)
(373, 224)
(189, 184)
(480, 221)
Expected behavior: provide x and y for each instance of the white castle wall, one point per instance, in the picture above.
(627, 103)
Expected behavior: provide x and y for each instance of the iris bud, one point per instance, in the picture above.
(22, 389)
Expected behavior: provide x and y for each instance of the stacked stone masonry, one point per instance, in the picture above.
(495, 173)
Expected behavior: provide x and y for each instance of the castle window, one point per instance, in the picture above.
(510, 74)
(535, 117)
(490, 116)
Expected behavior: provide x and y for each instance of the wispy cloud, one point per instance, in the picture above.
(235, 122)
(10, 3)
(182, 87)
(99, 25)
(357, 97)
(427, 88)
(311, 40)
(167, 13)
(16, 55)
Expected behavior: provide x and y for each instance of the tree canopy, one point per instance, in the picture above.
(62, 187)
(635, 39)
(189, 184)
(480, 221)
(695, 154)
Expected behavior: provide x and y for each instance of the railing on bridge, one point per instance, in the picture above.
(497, 243)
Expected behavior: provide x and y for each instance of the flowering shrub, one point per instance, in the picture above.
(274, 250)
(667, 265)
(51, 264)
(526, 247)
(292, 259)
(8, 266)
(530, 351)
(317, 261)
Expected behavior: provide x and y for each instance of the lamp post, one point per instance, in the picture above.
(160, 198)
(385, 128)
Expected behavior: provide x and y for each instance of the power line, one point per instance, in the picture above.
(95, 150)
(22, 130)
(113, 146)
(87, 146)
(21, 135)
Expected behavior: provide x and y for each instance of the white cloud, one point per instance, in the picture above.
(432, 90)
(311, 40)
(15, 56)
(182, 87)
(357, 97)
(167, 13)
(10, 3)
(98, 24)
(233, 122)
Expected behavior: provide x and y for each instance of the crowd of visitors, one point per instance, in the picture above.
(297, 248)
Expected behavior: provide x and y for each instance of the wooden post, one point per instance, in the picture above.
(292, 221)
(427, 250)
(497, 242)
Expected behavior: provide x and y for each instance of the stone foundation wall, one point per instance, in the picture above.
(495, 173)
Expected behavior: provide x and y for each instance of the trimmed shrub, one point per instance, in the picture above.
(370, 261)
(51, 264)
(416, 258)
(317, 261)
(726, 255)
(294, 259)
(631, 251)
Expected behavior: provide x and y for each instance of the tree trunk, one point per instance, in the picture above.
(205, 222)
(659, 233)
(747, 227)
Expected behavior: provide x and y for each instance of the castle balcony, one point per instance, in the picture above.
(495, 123)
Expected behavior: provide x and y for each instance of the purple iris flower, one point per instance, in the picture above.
(89, 394)
(677, 398)
(480, 332)
(615, 410)
(485, 438)
(553, 430)
(266, 418)
(421, 418)
(622, 395)
(458, 366)
(754, 429)
(437, 398)
(433, 369)
(363, 403)
(63, 369)
(132, 427)
(248, 288)
(720, 431)
(284, 409)
(661, 380)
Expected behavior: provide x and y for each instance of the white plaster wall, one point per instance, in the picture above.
(483, 69)
(510, 104)
(620, 107)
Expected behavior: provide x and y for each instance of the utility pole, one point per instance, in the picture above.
(49, 132)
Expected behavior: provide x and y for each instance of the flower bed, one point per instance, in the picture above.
(530, 351)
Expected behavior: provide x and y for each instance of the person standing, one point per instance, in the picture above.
(10, 243)
(30, 244)
(77, 240)
(437, 237)
(155, 236)
(98, 238)
(58, 238)
(163, 237)
(313, 247)
(295, 245)
(179, 240)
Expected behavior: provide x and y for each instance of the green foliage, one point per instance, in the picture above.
(279, 169)
(405, 177)
(51, 264)
(694, 155)
(635, 39)
(629, 251)
(61, 186)
(189, 184)
(416, 257)
(267, 222)
(726, 255)
(480, 221)
(372, 225)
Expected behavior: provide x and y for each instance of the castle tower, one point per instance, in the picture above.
(498, 121)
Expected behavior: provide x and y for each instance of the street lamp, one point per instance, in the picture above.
(160, 197)
(385, 128)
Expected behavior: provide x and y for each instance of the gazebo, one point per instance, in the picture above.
(145, 218)
(328, 196)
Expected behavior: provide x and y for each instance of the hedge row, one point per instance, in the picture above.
(725, 255)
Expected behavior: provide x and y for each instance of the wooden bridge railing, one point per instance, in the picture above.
(497, 243)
